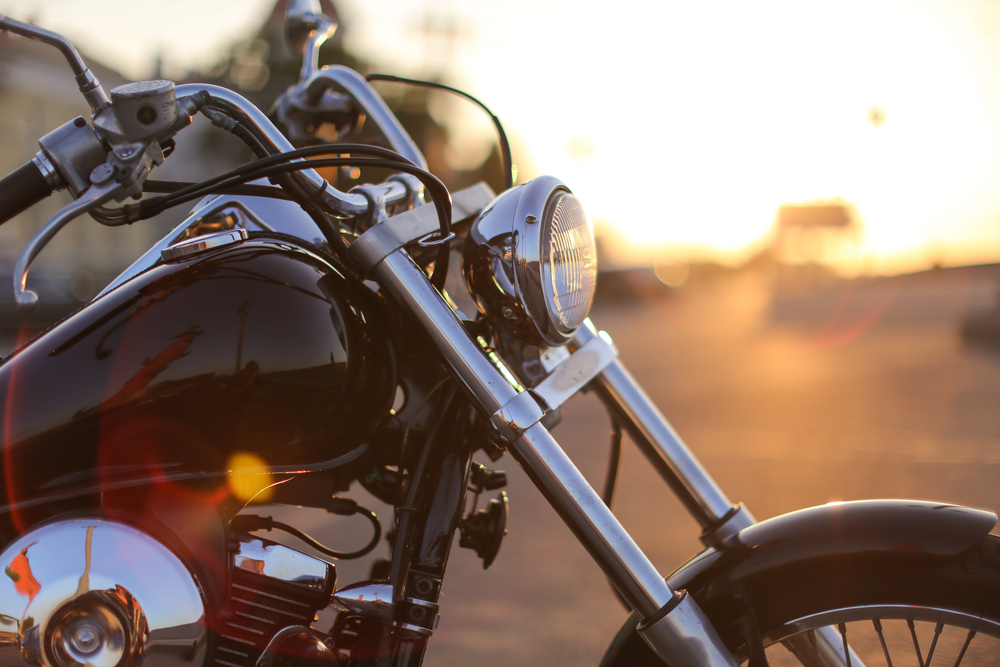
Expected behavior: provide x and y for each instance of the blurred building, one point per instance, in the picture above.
(812, 232)
(261, 68)
(37, 95)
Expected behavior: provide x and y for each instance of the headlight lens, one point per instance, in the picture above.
(531, 262)
(569, 264)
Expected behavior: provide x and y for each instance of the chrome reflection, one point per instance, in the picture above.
(280, 562)
(97, 593)
(371, 599)
(530, 262)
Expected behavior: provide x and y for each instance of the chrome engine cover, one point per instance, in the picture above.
(99, 593)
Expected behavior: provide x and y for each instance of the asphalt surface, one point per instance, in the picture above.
(846, 392)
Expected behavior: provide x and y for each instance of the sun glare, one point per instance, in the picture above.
(685, 125)
(701, 120)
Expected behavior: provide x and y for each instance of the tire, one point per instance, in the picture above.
(886, 602)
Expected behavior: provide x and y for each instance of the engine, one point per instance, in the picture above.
(103, 593)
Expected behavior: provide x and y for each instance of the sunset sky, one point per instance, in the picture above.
(681, 125)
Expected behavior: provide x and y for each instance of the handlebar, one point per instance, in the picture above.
(345, 205)
(22, 188)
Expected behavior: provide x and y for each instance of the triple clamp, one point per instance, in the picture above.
(594, 352)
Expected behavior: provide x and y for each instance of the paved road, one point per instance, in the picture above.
(857, 392)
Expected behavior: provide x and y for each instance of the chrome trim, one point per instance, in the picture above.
(686, 637)
(306, 29)
(280, 562)
(551, 358)
(515, 417)
(85, 80)
(427, 632)
(429, 240)
(288, 218)
(200, 244)
(468, 362)
(99, 592)
(503, 265)
(738, 519)
(74, 150)
(371, 599)
(533, 273)
(48, 171)
(658, 440)
(573, 374)
(389, 236)
(341, 204)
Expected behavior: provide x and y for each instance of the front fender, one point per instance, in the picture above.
(718, 576)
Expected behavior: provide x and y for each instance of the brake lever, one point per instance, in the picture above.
(96, 195)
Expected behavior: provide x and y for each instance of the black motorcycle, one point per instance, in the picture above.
(290, 340)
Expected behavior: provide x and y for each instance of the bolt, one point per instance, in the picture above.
(508, 312)
(146, 114)
(531, 220)
(86, 637)
(102, 174)
(423, 586)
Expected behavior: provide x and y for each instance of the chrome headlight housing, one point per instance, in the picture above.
(530, 262)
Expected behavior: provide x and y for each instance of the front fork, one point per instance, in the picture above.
(672, 623)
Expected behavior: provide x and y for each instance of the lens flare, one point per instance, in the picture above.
(248, 477)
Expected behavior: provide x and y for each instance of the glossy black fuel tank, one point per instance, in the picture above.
(262, 347)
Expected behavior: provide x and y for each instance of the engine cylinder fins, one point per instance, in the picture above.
(101, 593)
(276, 592)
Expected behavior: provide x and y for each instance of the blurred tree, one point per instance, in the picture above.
(262, 67)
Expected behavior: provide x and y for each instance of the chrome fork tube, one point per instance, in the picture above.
(562, 484)
(672, 623)
(683, 472)
(665, 450)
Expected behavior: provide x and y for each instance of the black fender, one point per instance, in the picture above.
(880, 533)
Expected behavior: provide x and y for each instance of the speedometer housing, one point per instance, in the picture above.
(530, 262)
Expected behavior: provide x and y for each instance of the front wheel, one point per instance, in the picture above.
(894, 609)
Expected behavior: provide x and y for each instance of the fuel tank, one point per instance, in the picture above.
(261, 348)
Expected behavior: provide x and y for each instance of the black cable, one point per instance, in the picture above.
(253, 137)
(611, 480)
(439, 194)
(249, 523)
(246, 130)
(249, 190)
(310, 151)
(507, 162)
(398, 162)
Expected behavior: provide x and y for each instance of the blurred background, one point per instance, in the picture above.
(798, 209)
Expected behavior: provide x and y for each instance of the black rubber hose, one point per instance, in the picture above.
(21, 189)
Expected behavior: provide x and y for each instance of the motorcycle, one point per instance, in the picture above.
(290, 340)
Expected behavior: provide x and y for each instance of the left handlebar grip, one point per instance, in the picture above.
(22, 188)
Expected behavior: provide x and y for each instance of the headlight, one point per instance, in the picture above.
(531, 262)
